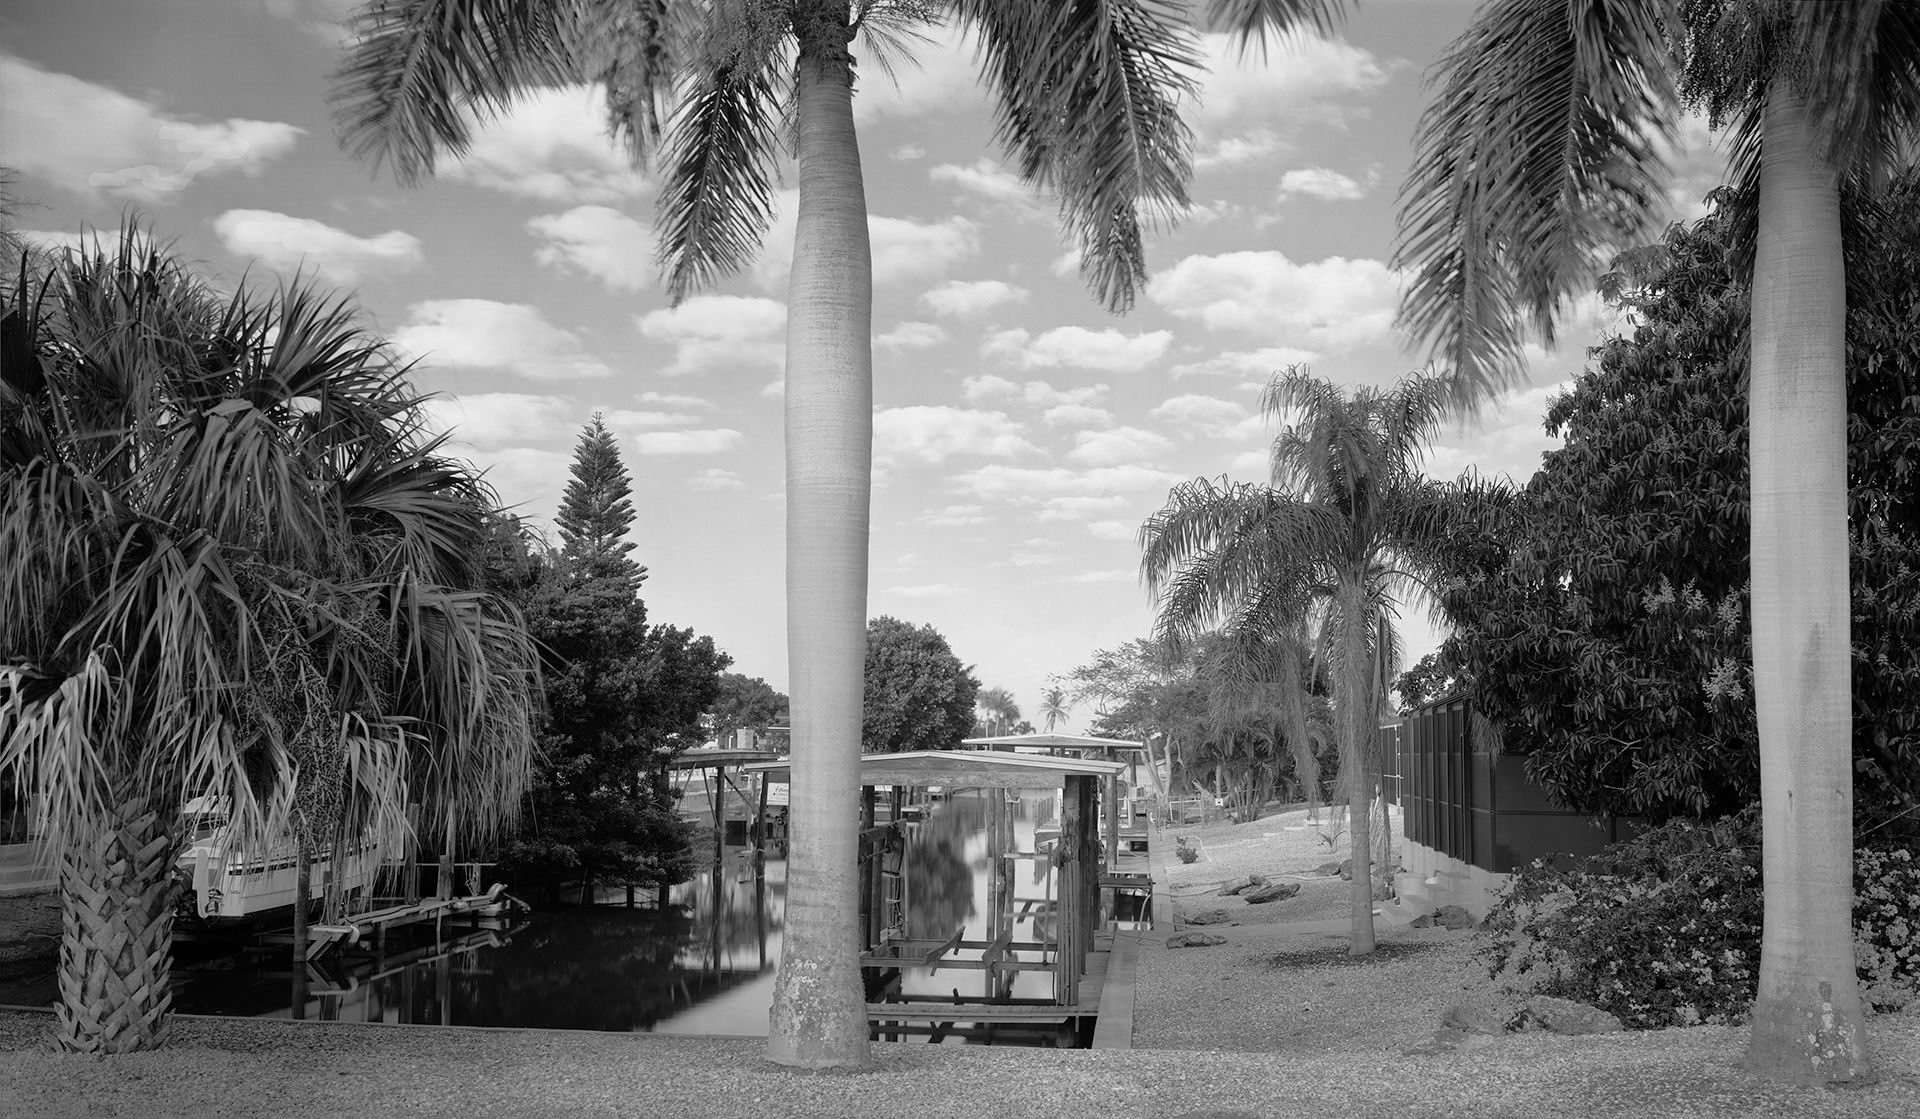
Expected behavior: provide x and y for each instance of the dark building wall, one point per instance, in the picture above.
(1465, 801)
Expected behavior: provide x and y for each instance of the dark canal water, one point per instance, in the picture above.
(705, 965)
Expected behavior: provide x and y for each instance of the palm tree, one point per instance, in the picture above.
(1539, 154)
(1000, 709)
(1088, 97)
(1333, 544)
(1054, 705)
(222, 556)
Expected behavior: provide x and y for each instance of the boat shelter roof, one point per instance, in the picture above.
(1055, 742)
(719, 759)
(962, 768)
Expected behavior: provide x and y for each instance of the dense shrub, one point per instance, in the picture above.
(1664, 929)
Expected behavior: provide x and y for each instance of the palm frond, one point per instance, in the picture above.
(1540, 151)
(1254, 20)
(1088, 97)
(635, 48)
(716, 197)
(420, 70)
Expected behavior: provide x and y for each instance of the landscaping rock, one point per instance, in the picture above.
(1343, 869)
(1273, 891)
(1205, 917)
(1453, 917)
(1233, 886)
(1446, 1039)
(1195, 940)
(1476, 1019)
(1564, 1016)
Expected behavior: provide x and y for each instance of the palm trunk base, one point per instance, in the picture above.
(116, 958)
(1809, 1039)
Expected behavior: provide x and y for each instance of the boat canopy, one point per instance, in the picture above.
(1054, 742)
(962, 769)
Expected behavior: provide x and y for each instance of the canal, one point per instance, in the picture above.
(704, 965)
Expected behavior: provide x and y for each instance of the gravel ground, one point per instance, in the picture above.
(1273, 1024)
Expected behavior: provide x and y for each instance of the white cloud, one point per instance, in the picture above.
(1076, 347)
(93, 140)
(927, 590)
(1032, 559)
(55, 241)
(953, 516)
(486, 334)
(1194, 410)
(942, 77)
(906, 152)
(1297, 78)
(552, 145)
(716, 479)
(1263, 362)
(971, 297)
(1080, 508)
(1076, 415)
(492, 421)
(985, 178)
(998, 481)
(710, 332)
(902, 248)
(711, 442)
(1237, 151)
(1114, 575)
(1325, 184)
(285, 243)
(1336, 302)
(1508, 439)
(911, 336)
(1120, 445)
(673, 400)
(986, 386)
(599, 241)
(632, 420)
(1113, 530)
(934, 433)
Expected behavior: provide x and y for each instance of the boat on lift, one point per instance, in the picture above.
(224, 884)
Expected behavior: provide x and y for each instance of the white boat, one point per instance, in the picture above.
(222, 884)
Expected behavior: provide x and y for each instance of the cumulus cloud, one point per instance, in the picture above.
(998, 481)
(928, 433)
(551, 145)
(711, 332)
(911, 336)
(1076, 415)
(1113, 530)
(285, 243)
(1296, 78)
(710, 442)
(716, 479)
(492, 421)
(599, 241)
(1336, 303)
(1325, 184)
(941, 78)
(1508, 438)
(986, 179)
(1263, 362)
(1081, 508)
(485, 334)
(1119, 445)
(953, 516)
(926, 590)
(1076, 347)
(673, 400)
(1112, 575)
(93, 140)
(986, 386)
(971, 297)
(1194, 410)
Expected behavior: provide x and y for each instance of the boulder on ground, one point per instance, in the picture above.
(1453, 917)
(1564, 1016)
(1272, 891)
(1233, 886)
(1446, 1039)
(1205, 917)
(1476, 1019)
(1343, 869)
(1195, 940)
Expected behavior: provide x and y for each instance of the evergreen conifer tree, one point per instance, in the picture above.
(594, 511)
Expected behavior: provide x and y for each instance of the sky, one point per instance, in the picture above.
(1022, 434)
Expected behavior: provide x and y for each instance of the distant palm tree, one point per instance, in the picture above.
(230, 565)
(1540, 155)
(1054, 706)
(1332, 545)
(999, 709)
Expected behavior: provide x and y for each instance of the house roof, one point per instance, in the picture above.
(1055, 742)
(981, 769)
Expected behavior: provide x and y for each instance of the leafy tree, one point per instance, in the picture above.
(230, 565)
(1540, 153)
(1613, 585)
(745, 701)
(1089, 97)
(1335, 541)
(594, 513)
(918, 694)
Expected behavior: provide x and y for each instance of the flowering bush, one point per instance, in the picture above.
(1664, 929)
(1886, 926)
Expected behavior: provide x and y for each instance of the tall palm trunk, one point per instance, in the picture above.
(1807, 1018)
(819, 1014)
(116, 946)
(1354, 709)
